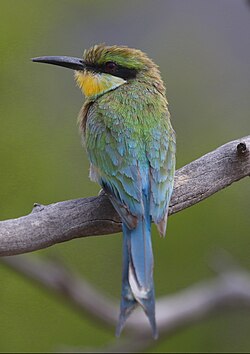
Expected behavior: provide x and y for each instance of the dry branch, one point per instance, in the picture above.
(54, 276)
(63, 221)
(229, 290)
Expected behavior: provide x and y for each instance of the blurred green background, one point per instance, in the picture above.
(203, 50)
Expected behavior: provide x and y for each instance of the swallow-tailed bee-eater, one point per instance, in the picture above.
(130, 145)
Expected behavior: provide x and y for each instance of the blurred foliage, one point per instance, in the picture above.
(203, 50)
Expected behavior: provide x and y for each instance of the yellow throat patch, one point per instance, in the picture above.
(94, 84)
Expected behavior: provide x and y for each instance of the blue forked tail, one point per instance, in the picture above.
(137, 277)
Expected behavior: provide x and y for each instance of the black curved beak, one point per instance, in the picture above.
(67, 62)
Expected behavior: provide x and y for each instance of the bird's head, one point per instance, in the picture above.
(104, 68)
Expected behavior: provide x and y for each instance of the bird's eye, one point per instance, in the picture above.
(110, 66)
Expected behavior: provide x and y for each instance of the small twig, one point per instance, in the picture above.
(64, 221)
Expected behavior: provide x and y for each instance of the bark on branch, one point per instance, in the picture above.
(63, 221)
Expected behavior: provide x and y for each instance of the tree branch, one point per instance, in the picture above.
(229, 290)
(63, 221)
(55, 276)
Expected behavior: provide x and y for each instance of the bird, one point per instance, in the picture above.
(131, 147)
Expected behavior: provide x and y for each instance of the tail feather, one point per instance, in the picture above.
(137, 282)
(128, 302)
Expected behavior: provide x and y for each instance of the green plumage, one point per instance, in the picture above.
(129, 125)
(131, 148)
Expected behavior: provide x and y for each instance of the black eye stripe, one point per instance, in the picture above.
(116, 70)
